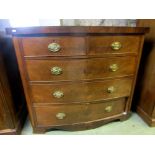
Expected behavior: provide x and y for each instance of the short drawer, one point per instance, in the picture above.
(101, 45)
(68, 114)
(80, 91)
(80, 69)
(54, 46)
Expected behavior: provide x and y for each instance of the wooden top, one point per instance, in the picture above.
(75, 29)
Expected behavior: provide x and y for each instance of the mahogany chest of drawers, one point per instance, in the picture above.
(77, 77)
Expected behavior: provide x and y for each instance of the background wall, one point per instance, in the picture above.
(98, 22)
(3, 24)
(64, 22)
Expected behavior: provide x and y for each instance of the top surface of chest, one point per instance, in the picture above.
(76, 30)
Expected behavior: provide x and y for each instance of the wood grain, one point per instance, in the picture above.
(81, 92)
(99, 45)
(80, 69)
(38, 46)
(78, 46)
(46, 115)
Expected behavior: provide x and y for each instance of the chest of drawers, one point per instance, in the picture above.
(77, 77)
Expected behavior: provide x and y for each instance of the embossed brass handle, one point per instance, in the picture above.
(54, 47)
(111, 89)
(113, 67)
(116, 45)
(108, 109)
(58, 94)
(60, 115)
(56, 70)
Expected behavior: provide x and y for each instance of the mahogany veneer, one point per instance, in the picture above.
(79, 69)
(77, 77)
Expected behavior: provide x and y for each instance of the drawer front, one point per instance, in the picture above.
(79, 69)
(99, 45)
(54, 46)
(67, 114)
(81, 92)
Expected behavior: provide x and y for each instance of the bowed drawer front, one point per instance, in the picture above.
(80, 69)
(65, 114)
(81, 91)
(78, 77)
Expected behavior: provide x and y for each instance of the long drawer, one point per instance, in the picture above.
(79, 45)
(52, 115)
(80, 91)
(79, 69)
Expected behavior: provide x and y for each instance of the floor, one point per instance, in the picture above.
(133, 126)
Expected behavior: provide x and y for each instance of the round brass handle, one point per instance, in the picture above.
(56, 70)
(58, 94)
(60, 115)
(54, 47)
(113, 67)
(111, 89)
(108, 109)
(116, 45)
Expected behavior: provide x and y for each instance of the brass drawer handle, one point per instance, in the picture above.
(111, 89)
(54, 47)
(58, 94)
(113, 67)
(108, 109)
(60, 115)
(56, 70)
(116, 45)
